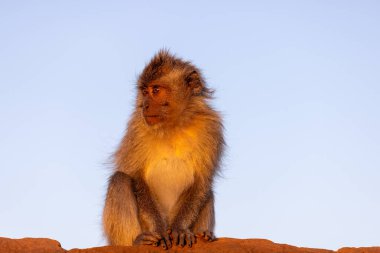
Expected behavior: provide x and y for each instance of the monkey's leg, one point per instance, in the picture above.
(120, 216)
(204, 226)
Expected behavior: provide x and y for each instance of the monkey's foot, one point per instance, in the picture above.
(182, 237)
(154, 239)
(206, 235)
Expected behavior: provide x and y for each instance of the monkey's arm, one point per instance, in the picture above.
(151, 221)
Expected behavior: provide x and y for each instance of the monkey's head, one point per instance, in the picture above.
(170, 90)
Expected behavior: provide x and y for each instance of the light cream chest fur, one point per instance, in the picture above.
(170, 171)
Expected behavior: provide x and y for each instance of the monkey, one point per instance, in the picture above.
(161, 190)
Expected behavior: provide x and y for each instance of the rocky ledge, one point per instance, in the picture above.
(221, 245)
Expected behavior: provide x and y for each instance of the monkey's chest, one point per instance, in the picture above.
(168, 177)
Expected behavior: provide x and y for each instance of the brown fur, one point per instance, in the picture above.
(164, 172)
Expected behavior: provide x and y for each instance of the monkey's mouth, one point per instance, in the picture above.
(152, 119)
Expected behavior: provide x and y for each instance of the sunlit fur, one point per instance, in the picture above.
(171, 157)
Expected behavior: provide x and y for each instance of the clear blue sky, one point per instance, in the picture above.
(298, 83)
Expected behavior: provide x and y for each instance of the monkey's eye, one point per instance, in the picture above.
(155, 89)
(144, 91)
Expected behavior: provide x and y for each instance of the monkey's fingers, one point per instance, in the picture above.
(163, 244)
(209, 236)
(167, 241)
(174, 235)
(146, 239)
(156, 235)
(160, 240)
(206, 235)
(182, 239)
(190, 239)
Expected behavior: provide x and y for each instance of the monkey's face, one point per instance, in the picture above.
(155, 103)
(162, 103)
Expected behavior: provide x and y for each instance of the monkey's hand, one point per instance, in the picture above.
(153, 238)
(206, 235)
(182, 237)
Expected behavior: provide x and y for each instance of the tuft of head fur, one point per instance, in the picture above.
(164, 62)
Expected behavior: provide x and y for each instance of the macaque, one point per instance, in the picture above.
(161, 190)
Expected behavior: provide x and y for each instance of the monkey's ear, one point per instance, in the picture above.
(194, 81)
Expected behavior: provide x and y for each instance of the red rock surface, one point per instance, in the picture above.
(360, 250)
(227, 245)
(30, 245)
